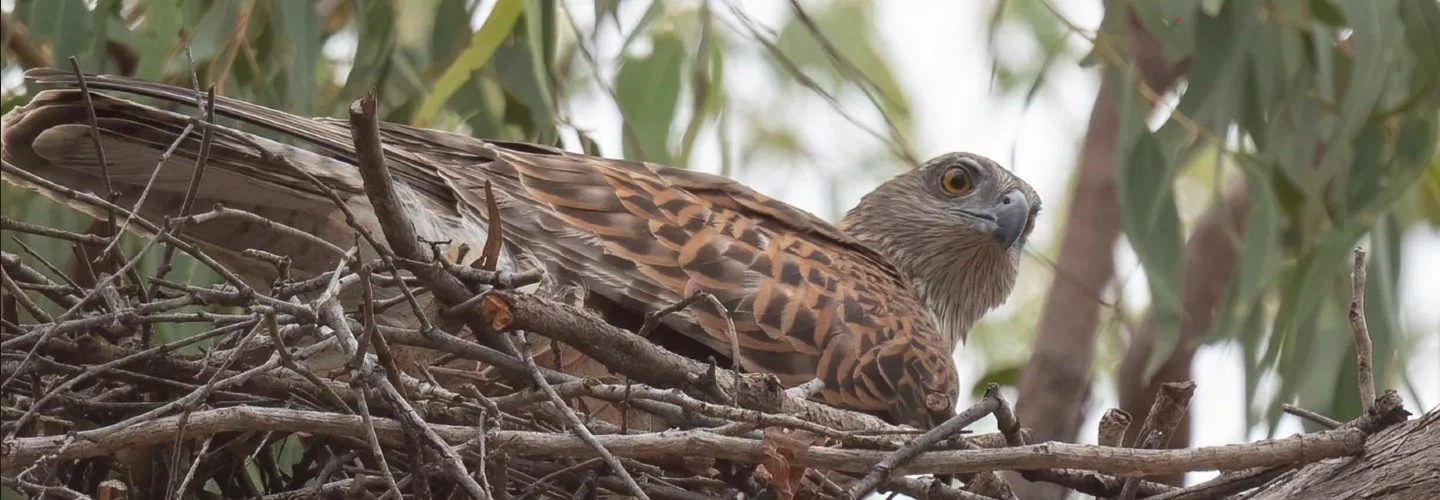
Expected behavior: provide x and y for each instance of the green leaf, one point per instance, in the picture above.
(1257, 257)
(1152, 226)
(1374, 36)
(1217, 74)
(651, 14)
(375, 45)
(1326, 12)
(452, 23)
(1430, 193)
(1422, 35)
(1309, 283)
(65, 24)
(1005, 375)
(1149, 218)
(648, 91)
(302, 28)
(1173, 23)
(483, 44)
(1113, 35)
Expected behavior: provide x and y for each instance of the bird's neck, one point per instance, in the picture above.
(960, 291)
(957, 283)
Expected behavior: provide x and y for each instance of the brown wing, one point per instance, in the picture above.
(807, 300)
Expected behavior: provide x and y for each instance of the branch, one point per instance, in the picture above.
(1361, 332)
(1298, 450)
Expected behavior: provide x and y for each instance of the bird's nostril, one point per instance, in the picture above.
(1007, 199)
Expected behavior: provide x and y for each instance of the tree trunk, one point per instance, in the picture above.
(1401, 463)
(1210, 255)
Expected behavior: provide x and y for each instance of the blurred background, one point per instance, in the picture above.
(1206, 165)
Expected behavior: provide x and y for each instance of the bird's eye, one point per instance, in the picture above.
(957, 182)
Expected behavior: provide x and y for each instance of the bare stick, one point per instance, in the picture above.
(1363, 356)
(574, 422)
(1113, 426)
(882, 470)
(652, 319)
(1165, 415)
(1327, 422)
(207, 138)
(110, 193)
(1226, 484)
(729, 329)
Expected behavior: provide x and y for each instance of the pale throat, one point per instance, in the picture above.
(959, 290)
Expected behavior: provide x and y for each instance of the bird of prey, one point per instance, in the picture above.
(874, 306)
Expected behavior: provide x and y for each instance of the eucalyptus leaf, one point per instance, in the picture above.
(65, 24)
(375, 44)
(483, 44)
(302, 29)
(648, 92)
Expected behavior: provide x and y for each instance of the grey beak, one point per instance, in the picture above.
(1012, 213)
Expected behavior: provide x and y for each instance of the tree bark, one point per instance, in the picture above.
(1402, 462)
(1054, 384)
(1210, 255)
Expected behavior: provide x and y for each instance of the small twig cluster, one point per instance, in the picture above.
(93, 405)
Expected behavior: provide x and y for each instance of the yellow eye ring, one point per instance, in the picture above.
(957, 182)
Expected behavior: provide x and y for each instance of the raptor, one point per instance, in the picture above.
(873, 306)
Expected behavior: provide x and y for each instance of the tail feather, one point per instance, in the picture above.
(51, 137)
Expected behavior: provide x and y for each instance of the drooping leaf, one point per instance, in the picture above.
(375, 45)
(1257, 255)
(483, 44)
(65, 25)
(302, 28)
(648, 91)
(1374, 34)
(1149, 217)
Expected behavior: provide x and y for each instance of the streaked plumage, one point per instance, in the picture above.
(875, 310)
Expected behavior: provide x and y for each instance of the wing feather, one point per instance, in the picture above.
(807, 300)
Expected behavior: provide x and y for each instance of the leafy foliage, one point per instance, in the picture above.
(1328, 110)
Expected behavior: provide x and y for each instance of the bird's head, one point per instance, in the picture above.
(955, 227)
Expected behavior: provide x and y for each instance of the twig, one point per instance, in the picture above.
(576, 426)
(1113, 426)
(1093, 483)
(807, 390)
(110, 194)
(207, 139)
(930, 488)
(882, 470)
(220, 212)
(179, 491)
(724, 313)
(1361, 331)
(1327, 422)
(1226, 484)
(363, 395)
(652, 319)
(1165, 415)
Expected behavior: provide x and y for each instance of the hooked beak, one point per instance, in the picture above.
(1006, 219)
